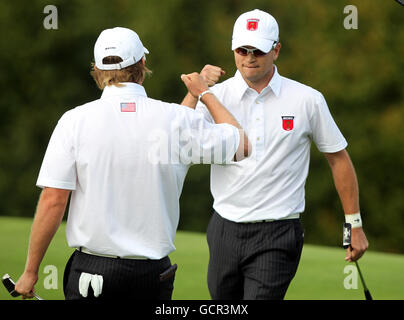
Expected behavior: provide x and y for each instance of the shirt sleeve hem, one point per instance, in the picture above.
(42, 183)
(231, 155)
(335, 148)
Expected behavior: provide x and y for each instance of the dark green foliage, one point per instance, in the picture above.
(360, 72)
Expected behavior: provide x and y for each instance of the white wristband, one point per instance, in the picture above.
(203, 93)
(354, 219)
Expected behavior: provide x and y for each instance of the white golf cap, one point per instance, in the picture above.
(121, 42)
(255, 28)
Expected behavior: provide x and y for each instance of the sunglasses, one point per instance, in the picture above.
(243, 51)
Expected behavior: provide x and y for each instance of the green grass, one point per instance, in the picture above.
(320, 274)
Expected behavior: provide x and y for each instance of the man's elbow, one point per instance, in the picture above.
(245, 149)
(54, 199)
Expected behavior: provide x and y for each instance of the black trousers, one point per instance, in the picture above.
(252, 261)
(122, 278)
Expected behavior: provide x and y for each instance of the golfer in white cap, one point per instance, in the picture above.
(123, 158)
(255, 235)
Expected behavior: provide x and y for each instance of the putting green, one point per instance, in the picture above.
(320, 274)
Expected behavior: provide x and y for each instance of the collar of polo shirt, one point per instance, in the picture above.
(128, 88)
(274, 84)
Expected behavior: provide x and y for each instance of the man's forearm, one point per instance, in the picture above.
(346, 184)
(189, 101)
(198, 88)
(221, 115)
(49, 214)
(345, 180)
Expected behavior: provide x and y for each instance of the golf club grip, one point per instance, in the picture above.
(10, 286)
(368, 295)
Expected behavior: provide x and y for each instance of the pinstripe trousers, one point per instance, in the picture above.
(122, 278)
(252, 261)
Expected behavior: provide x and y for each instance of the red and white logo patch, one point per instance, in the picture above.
(252, 24)
(287, 123)
(128, 107)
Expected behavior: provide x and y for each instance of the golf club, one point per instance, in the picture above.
(368, 296)
(347, 243)
(10, 286)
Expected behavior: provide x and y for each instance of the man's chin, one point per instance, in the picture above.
(252, 77)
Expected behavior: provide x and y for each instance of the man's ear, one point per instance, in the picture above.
(277, 49)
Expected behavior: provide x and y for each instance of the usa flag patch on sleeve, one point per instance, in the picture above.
(128, 107)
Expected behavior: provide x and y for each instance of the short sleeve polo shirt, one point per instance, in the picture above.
(281, 122)
(125, 156)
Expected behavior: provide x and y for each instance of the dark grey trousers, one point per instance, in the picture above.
(122, 278)
(252, 261)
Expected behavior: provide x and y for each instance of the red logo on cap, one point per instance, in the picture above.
(252, 24)
(287, 123)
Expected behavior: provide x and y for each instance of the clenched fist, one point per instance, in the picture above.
(211, 74)
(194, 83)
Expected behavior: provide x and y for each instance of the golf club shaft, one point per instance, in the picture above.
(360, 275)
(365, 289)
(346, 243)
(37, 297)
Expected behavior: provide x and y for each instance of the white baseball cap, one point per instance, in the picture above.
(255, 28)
(121, 42)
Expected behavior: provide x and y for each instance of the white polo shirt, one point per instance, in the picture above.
(281, 122)
(125, 156)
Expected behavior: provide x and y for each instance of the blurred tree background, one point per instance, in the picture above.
(360, 72)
